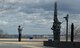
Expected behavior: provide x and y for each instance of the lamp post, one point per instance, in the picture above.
(66, 18)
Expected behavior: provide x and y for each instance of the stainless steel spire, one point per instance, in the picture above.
(56, 25)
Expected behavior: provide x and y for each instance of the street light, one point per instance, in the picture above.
(66, 18)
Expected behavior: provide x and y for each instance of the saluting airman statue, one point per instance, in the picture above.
(20, 33)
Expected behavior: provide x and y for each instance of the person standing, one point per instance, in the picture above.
(20, 33)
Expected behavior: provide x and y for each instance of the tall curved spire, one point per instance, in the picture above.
(56, 25)
(55, 12)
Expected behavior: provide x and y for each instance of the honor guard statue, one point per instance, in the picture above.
(56, 25)
(20, 32)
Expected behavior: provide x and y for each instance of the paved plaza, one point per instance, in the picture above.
(26, 43)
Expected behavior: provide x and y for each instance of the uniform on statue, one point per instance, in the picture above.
(20, 33)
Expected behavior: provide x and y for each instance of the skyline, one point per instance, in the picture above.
(36, 16)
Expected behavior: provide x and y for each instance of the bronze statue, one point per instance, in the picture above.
(20, 33)
(72, 32)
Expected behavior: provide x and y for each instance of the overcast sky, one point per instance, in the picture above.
(36, 16)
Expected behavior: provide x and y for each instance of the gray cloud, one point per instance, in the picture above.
(71, 6)
(31, 15)
(35, 16)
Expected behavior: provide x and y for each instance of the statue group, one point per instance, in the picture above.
(57, 26)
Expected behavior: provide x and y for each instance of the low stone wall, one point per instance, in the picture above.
(62, 44)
